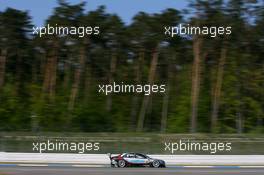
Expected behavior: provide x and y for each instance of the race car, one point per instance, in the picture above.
(135, 159)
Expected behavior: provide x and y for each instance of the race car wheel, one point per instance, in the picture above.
(121, 163)
(156, 164)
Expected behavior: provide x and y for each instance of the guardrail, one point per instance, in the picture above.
(103, 159)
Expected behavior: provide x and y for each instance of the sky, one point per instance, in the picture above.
(39, 10)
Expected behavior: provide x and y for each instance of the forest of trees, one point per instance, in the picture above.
(213, 85)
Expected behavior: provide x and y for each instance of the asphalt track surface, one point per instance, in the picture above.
(127, 171)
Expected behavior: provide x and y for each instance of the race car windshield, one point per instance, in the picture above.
(142, 156)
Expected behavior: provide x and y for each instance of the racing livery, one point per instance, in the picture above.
(135, 159)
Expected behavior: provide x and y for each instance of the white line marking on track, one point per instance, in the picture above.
(198, 166)
(251, 166)
(35, 165)
(92, 166)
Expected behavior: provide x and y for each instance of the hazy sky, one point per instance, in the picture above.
(39, 10)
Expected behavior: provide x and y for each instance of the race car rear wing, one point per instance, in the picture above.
(109, 155)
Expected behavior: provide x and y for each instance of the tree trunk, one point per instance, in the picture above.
(53, 79)
(150, 105)
(217, 90)
(239, 121)
(146, 98)
(88, 75)
(195, 83)
(2, 67)
(239, 113)
(67, 72)
(260, 117)
(165, 106)
(135, 99)
(87, 83)
(111, 80)
(42, 65)
(47, 73)
(35, 67)
(19, 71)
(50, 77)
(77, 79)
(165, 103)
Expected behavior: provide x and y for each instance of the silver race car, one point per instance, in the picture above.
(135, 159)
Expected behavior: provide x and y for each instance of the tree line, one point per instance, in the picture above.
(213, 85)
